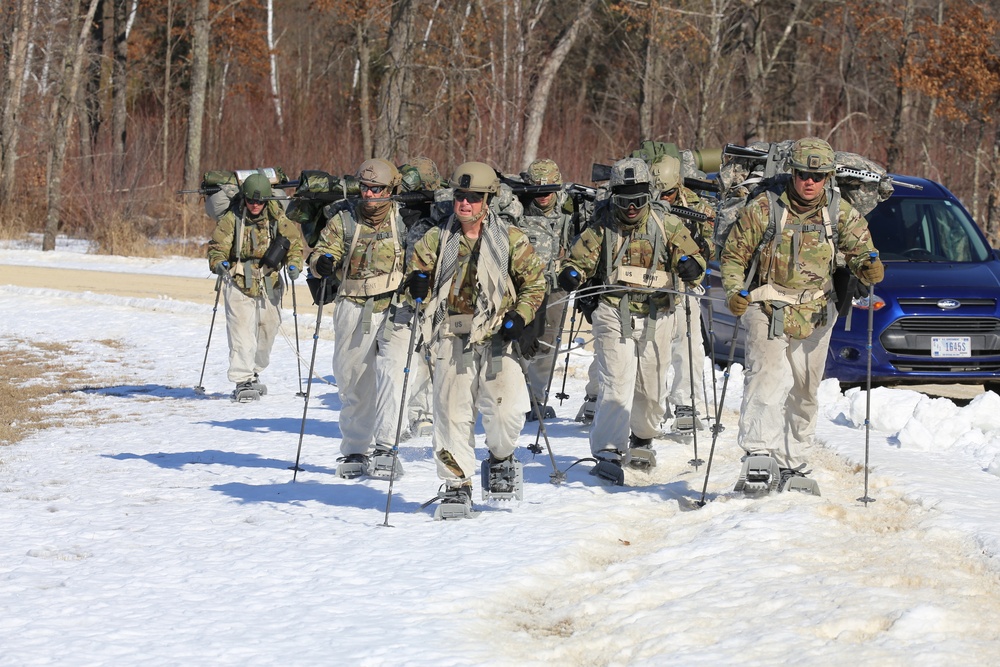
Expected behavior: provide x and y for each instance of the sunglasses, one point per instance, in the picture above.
(814, 176)
(471, 197)
(255, 202)
(374, 189)
(669, 193)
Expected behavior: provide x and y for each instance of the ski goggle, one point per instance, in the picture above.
(814, 176)
(471, 197)
(255, 202)
(625, 201)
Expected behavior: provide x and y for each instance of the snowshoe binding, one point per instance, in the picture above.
(420, 428)
(245, 392)
(456, 503)
(502, 479)
(352, 466)
(760, 475)
(796, 480)
(686, 420)
(587, 410)
(641, 452)
(609, 467)
(258, 385)
(384, 464)
(548, 412)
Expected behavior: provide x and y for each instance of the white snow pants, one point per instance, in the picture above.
(465, 387)
(420, 407)
(632, 376)
(780, 388)
(251, 325)
(680, 382)
(367, 366)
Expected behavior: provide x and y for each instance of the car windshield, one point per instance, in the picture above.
(921, 229)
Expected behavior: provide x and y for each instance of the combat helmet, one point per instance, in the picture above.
(377, 171)
(666, 173)
(256, 188)
(812, 154)
(475, 177)
(543, 172)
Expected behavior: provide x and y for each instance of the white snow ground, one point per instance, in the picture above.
(163, 527)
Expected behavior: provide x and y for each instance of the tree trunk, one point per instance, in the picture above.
(364, 98)
(11, 99)
(199, 88)
(119, 88)
(391, 129)
(273, 61)
(62, 118)
(540, 95)
(894, 152)
(647, 96)
(992, 227)
(167, 66)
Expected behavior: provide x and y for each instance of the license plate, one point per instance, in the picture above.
(951, 346)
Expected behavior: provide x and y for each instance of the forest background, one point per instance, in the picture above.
(109, 107)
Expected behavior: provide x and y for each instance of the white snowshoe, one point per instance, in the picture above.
(641, 453)
(502, 480)
(794, 480)
(258, 385)
(548, 412)
(245, 393)
(686, 420)
(760, 475)
(587, 410)
(382, 463)
(609, 467)
(352, 466)
(420, 428)
(456, 503)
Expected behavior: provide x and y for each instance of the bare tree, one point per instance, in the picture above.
(119, 87)
(397, 84)
(273, 64)
(12, 94)
(199, 86)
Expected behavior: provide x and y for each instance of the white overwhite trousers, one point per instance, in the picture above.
(251, 325)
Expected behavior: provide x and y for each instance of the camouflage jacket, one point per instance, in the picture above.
(799, 259)
(248, 275)
(551, 234)
(378, 252)
(524, 269)
(690, 199)
(591, 253)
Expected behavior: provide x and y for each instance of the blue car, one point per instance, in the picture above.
(937, 313)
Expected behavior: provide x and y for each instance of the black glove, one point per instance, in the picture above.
(513, 326)
(222, 268)
(420, 285)
(324, 266)
(688, 269)
(569, 279)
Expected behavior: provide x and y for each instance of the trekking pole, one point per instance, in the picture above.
(711, 354)
(295, 319)
(868, 383)
(572, 322)
(694, 413)
(312, 364)
(536, 448)
(218, 290)
(556, 477)
(402, 408)
(717, 426)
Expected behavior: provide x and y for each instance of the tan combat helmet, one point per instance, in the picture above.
(377, 171)
(543, 172)
(475, 177)
(812, 154)
(666, 173)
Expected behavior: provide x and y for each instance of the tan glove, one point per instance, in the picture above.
(738, 303)
(873, 271)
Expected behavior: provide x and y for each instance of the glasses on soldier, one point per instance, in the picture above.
(471, 197)
(374, 189)
(627, 200)
(255, 202)
(814, 176)
(669, 193)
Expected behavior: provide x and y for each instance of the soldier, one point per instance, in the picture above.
(487, 285)
(790, 311)
(364, 244)
(635, 247)
(548, 222)
(666, 173)
(250, 245)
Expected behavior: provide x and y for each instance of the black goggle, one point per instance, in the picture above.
(471, 197)
(626, 201)
(814, 176)
(255, 202)
(374, 189)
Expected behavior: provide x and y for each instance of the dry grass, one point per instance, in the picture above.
(36, 376)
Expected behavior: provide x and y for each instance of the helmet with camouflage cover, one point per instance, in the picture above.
(666, 173)
(410, 178)
(377, 171)
(256, 188)
(630, 171)
(812, 154)
(429, 174)
(543, 172)
(475, 177)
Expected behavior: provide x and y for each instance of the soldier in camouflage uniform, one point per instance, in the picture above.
(669, 187)
(634, 244)
(790, 311)
(364, 244)
(548, 222)
(487, 285)
(252, 290)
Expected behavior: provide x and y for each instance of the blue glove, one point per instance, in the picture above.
(569, 279)
(688, 269)
(293, 272)
(513, 326)
(324, 266)
(222, 268)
